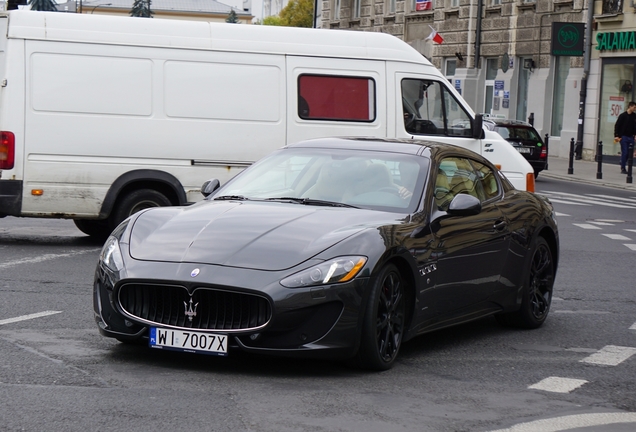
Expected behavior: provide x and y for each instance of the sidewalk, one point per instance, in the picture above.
(586, 171)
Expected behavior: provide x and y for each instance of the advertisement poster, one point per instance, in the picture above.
(615, 107)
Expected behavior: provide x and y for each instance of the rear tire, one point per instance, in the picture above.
(97, 229)
(135, 201)
(537, 297)
(384, 318)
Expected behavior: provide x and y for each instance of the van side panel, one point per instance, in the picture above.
(95, 112)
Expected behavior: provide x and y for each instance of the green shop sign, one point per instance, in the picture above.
(616, 41)
(567, 39)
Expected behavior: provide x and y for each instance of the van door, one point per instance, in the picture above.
(335, 97)
(426, 107)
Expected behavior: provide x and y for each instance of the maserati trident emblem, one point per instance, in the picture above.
(190, 309)
(194, 272)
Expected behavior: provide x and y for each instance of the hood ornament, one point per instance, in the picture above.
(190, 309)
(195, 272)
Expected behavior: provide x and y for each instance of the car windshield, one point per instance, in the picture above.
(352, 178)
(519, 133)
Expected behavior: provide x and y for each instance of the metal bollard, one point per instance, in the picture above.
(531, 119)
(630, 162)
(571, 165)
(599, 159)
(546, 139)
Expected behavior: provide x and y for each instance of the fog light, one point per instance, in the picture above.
(254, 336)
(128, 323)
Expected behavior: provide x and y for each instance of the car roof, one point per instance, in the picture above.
(406, 146)
(507, 122)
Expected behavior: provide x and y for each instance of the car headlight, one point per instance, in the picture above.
(337, 270)
(111, 256)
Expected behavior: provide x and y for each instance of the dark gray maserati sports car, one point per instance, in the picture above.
(338, 248)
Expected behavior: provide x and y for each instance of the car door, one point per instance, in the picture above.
(470, 250)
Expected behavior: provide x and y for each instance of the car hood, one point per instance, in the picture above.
(255, 235)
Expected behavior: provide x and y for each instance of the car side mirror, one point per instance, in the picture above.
(209, 187)
(464, 205)
(478, 126)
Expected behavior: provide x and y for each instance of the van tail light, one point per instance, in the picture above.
(544, 153)
(530, 182)
(7, 150)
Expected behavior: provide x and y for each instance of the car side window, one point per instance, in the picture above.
(488, 180)
(431, 109)
(456, 176)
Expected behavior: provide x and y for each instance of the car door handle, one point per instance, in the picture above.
(499, 225)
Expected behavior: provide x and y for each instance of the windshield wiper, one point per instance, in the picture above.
(231, 197)
(310, 201)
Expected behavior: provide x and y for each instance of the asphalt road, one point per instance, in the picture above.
(58, 373)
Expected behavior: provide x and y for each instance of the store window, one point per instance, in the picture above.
(558, 99)
(617, 90)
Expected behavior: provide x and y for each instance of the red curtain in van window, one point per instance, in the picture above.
(336, 98)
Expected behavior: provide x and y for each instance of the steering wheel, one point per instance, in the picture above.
(390, 189)
(409, 121)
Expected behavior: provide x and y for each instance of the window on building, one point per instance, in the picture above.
(492, 66)
(430, 109)
(451, 66)
(562, 69)
(327, 97)
(391, 6)
(356, 8)
(336, 9)
(454, 3)
(495, 2)
(612, 6)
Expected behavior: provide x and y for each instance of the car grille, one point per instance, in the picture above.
(211, 309)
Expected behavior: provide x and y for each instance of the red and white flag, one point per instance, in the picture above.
(421, 5)
(435, 37)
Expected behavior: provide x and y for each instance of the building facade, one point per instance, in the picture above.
(500, 55)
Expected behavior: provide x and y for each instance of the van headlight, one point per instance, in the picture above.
(337, 270)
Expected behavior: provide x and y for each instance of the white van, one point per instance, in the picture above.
(103, 116)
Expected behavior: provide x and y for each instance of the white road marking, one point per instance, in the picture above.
(45, 257)
(586, 226)
(558, 385)
(28, 317)
(610, 355)
(633, 327)
(611, 197)
(561, 214)
(583, 312)
(616, 236)
(610, 220)
(630, 230)
(601, 223)
(572, 422)
(631, 246)
(587, 199)
(555, 200)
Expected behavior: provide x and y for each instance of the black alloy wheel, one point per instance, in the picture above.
(535, 305)
(383, 327)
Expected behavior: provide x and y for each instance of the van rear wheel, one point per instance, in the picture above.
(135, 201)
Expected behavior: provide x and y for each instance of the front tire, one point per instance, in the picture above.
(537, 297)
(383, 327)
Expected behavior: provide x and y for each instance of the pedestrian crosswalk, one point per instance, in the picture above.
(590, 199)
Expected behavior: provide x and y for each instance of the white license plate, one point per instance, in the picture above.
(188, 341)
(524, 150)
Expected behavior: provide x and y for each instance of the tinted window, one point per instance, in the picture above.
(488, 180)
(324, 97)
(456, 176)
